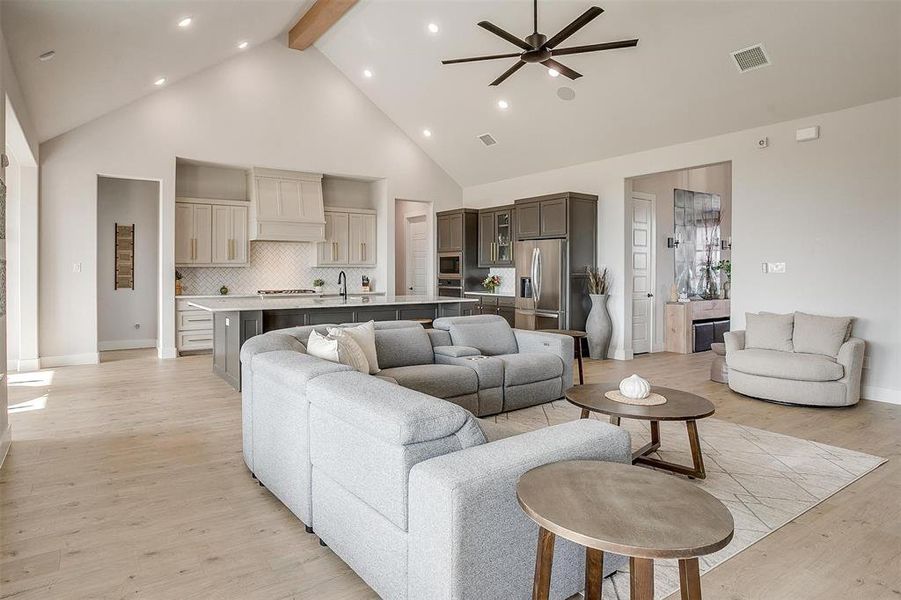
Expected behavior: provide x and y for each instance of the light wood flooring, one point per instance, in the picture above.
(125, 480)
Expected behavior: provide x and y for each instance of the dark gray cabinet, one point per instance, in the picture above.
(450, 232)
(496, 232)
(504, 306)
(547, 217)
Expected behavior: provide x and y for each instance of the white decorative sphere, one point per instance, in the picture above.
(635, 387)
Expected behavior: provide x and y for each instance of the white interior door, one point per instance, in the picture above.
(417, 255)
(643, 268)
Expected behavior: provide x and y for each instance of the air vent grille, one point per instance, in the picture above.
(487, 139)
(748, 59)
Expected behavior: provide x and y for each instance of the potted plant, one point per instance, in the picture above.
(178, 287)
(317, 285)
(598, 326)
(724, 267)
(492, 282)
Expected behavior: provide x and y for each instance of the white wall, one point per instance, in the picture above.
(713, 179)
(830, 209)
(206, 181)
(271, 107)
(127, 318)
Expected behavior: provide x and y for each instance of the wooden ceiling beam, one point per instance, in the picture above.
(316, 21)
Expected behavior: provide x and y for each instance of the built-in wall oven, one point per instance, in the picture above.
(450, 264)
(450, 287)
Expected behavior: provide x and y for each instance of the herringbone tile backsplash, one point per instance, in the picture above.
(273, 265)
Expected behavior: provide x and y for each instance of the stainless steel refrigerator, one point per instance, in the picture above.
(542, 284)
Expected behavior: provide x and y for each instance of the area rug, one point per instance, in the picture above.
(765, 479)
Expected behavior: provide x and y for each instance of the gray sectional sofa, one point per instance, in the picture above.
(395, 473)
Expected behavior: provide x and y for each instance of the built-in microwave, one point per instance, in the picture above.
(450, 264)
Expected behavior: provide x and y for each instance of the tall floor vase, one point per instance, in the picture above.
(599, 327)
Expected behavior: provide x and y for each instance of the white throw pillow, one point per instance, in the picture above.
(769, 331)
(364, 334)
(338, 348)
(816, 334)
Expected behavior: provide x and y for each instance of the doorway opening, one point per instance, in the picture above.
(128, 234)
(680, 227)
(412, 247)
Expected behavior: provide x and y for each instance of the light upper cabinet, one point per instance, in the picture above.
(350, 238)
(210, 233)
(193, 234)
(286, 206)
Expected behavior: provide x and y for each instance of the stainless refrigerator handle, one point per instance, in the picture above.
(534, 274)
(538, 272)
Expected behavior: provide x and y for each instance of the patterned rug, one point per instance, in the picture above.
(765, 479)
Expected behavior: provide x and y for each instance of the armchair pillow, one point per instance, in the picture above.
(769, 331)
(816, 334)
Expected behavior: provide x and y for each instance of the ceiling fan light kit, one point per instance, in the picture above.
(538, 48)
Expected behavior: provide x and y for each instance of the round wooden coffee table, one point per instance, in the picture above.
(611, 507)
(577, 340)
(679, 406)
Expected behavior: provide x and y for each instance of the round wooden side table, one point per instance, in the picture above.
(577, 340)
(679, 406)
(612, 507)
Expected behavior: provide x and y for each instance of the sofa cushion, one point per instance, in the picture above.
(785, 365)
(530, 367)
(440, 381)
(769, 331)
(364, 336)
(490, 337)
(402, 347)
(816, 334)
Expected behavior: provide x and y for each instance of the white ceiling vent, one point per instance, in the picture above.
(487, 139)
(753, 57)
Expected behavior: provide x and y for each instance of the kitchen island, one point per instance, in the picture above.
(237, 319)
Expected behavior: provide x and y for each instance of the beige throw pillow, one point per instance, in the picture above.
(815, 334)
(769, 331)
(364, 335)
(338, 347)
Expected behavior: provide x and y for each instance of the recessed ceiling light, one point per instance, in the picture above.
(427, 132)
(160, 81)
(433, 28)
(47, 56)
(367, 73)
(553, 72)
(503, 104)
(242, 45)
(566, 93)
(185, 22)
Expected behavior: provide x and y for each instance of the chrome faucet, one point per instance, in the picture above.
(342, 278)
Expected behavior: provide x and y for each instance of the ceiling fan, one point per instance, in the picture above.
(537, 48)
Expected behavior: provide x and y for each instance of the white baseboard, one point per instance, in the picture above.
(88, 358)
(126, 344)
(6, 439)
(168, 352)
(879, 394)
(622, 354)
(24, 365)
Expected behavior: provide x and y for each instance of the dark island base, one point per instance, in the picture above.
(231, 329)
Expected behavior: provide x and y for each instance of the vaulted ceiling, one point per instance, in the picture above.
(679, 84)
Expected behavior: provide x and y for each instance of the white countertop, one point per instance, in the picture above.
(235, 303)
(322, 295)
(489, 294)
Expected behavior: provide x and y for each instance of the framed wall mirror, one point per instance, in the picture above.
(697, 217)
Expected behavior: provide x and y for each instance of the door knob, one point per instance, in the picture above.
(650, 295)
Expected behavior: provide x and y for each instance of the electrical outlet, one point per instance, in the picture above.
(777, 267)
(76, 268)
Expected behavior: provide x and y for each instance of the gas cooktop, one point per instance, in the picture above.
(296, 292)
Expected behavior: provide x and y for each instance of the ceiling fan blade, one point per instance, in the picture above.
(504, 34)
(562, 69)
(575, 26)
(454, 61)
(508, 72)
(594, 47)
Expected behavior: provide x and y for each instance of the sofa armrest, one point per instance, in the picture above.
(735, 340)
(468, 538)
(456, 351)
(552, 343)
(850, 357)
